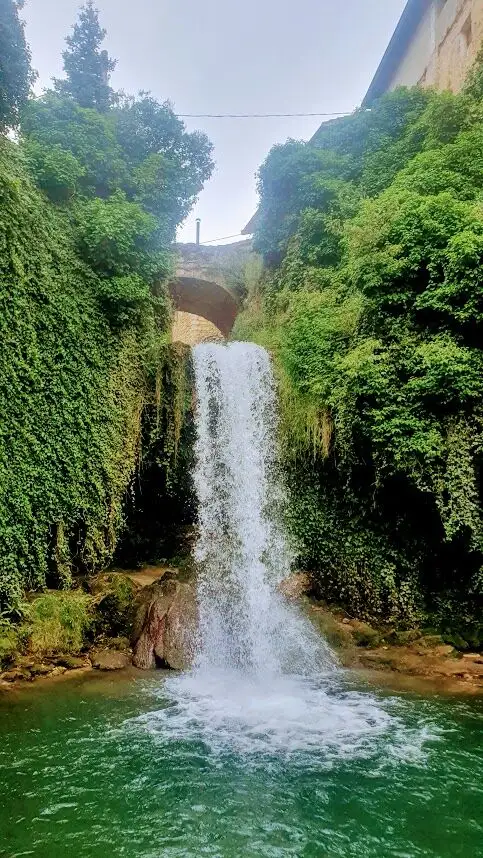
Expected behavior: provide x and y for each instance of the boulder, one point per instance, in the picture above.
(70, 662)
(41, 669)
(108, 659)
(16, 675)
(364, 635)
(166, 624)
(296, 585)
(114, 595)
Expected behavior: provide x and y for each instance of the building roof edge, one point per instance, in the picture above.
(407, 26)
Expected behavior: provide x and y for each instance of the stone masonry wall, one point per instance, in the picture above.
(192, 330)
(444, 46)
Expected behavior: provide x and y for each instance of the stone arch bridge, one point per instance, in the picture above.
(206, 291)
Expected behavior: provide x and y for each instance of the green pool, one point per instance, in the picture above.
(101, 767)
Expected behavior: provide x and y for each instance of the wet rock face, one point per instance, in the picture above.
(166, 624)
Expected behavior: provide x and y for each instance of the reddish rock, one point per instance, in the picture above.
(166, 624)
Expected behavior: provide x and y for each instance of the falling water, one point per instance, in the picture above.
(242, 551)
(264, 681)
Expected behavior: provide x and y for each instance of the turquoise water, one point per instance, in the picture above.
(99, 767)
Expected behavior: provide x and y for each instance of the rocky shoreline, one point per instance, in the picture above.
(160, 618)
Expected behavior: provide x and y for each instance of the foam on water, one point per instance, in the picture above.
(264, 681)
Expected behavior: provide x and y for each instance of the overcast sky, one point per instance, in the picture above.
(224, 56)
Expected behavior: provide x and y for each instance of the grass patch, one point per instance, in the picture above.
(58, 622)
(9, 644)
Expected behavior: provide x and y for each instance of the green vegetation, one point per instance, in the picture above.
(16, 75)
(86, 65)
(58, 622)
(90, 199)
(372, 304)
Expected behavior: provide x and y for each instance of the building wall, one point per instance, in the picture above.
(444, 47)
(191, 330)
(414, 65)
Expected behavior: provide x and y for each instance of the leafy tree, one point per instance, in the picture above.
(86, 64)
(169, 166)
(16, 75)
(139, 146)
(375, 312)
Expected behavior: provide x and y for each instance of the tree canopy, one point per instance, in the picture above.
(16, 75)
(86, 64)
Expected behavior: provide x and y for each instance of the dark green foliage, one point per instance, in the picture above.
(87, 66)
(56, 170)
(168, 166)
(376, 317)
(160, 507)
(16, 76)
(89, 136)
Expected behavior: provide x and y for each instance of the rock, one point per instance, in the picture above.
(295, 585)
(115, 596)
(70, 662)
(364, 634)
(476, 657)
(403, 638)
(41, 669)
(181, 629)
(431, 640)
(120, 643)
(165, 625)
(16, 674)
(58, 671)
(109, 659)
(336, 633)
(444, 650)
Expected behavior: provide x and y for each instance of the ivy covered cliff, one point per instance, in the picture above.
(91, 194)
(372, 304)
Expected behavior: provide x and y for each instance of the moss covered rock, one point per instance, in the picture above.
(115, 607)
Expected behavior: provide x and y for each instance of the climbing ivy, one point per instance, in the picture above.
(72, 389)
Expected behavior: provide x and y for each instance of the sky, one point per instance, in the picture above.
(231, 56)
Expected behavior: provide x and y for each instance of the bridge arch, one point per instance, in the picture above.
(205, 303)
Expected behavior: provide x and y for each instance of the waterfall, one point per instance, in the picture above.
(242, 551)
(264, 681)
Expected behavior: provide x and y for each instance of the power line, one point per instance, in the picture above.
(259, 115)
(223, 238)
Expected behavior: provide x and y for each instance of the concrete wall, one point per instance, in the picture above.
(444, 46)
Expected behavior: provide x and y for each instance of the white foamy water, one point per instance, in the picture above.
(242, 552)
(264, 680)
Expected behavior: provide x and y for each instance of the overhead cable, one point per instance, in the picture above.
(259, 115)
